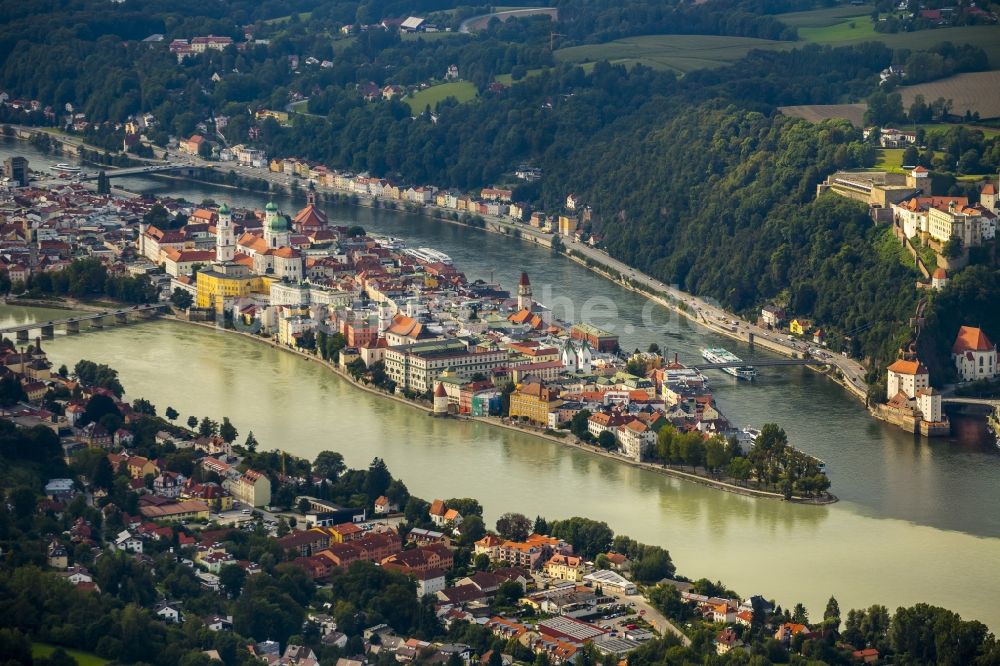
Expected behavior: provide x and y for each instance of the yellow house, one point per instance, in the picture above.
(277, 166)
(800, 326)
(567, 225)
(533, 402)
(565, 567)
(218, 285)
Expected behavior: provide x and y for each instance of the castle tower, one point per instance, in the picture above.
(440, 400)
(524, 300)
(275, 227)
(225, 236)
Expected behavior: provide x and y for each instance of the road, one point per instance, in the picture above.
(721, 320)
(481, 21)
(655, 618)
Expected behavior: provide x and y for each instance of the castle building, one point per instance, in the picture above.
(906, 377)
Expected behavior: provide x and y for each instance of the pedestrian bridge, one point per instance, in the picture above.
(95, 320)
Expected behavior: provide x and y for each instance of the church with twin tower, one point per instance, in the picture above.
(250, 264)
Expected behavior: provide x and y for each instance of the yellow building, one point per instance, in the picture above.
(565, 567)
(533, 402)
(800, 326)
(225, 282)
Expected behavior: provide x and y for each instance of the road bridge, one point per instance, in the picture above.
(95, 320)
(140, 170)
(958, 400)
(760, 362)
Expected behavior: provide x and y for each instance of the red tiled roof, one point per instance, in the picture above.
(971, 338)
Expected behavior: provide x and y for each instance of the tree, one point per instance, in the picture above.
(578, 424)
(588, 537)
(800, 615)
(251, 443)
(329, 465)
(103, 183)
(416, 511)
(473, 529)
(831, 616)
(716, 454)
(171, 413)
(192, 422)
(227, 431)
(739, 469)
(143, 406)
(377, 479)
(541, 526)
(466, 506)
(181, 299)
(97, 408)
(208, 427)
(513, 526)
(607, 440)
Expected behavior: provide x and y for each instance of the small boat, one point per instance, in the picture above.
(65, 168)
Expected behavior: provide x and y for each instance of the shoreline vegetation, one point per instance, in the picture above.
(566, 440)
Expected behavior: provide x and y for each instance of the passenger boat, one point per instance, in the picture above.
(65, 168)
(720, 355)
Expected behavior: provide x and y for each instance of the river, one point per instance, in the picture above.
(911, 511)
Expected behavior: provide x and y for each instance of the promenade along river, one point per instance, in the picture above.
(918, 521)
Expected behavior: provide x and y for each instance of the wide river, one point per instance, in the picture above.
(917, 520)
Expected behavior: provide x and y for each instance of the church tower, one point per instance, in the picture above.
(524, 300)
(275, 227)
(225, 236)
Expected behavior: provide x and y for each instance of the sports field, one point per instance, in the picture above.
(463, 91)
(681, 53)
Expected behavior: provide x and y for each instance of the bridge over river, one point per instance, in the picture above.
(760, 362)
(95, 320)
(140, 170)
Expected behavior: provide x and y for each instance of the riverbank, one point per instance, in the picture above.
(569, 440)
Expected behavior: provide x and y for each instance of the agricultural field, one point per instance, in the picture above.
(82, 658)
(821, 18)
(428, 36)
(508, 80)
(814, 113)
(976, 92)
(463, 91)
(681, 53)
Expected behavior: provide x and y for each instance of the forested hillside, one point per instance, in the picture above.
(684, 174)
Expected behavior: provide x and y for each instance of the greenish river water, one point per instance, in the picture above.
(917, 520)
